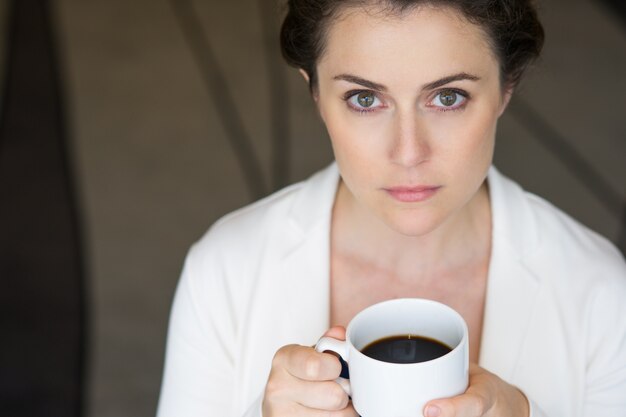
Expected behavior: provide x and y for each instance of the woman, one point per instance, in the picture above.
(410, 92)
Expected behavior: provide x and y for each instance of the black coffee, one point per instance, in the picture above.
(405, 349)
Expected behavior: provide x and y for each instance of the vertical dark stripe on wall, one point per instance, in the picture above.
(219, 91)
(279, 98)
(41, 273)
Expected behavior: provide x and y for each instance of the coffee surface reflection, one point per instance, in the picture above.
(405, 349)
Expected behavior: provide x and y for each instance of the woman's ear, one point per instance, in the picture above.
(305, 75)
(307, 78)
(506, 98)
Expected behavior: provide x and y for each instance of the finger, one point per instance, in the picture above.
(336, 332)
(466, 405)
(475, 402)
(307, 364)
(349, 411)
(345, 412)
(297, 410)
(301, 411)
(326, 395)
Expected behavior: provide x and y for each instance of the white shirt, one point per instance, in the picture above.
(555, 312)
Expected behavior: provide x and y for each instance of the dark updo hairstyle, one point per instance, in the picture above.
(512, 26)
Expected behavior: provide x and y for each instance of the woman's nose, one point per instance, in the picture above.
(411, 142)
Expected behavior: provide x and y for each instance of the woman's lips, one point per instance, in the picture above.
(412, 194)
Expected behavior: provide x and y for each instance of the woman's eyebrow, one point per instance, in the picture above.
(450, 78)
(430, 86)
(361, 81)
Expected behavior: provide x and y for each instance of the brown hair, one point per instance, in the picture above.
(512, 27)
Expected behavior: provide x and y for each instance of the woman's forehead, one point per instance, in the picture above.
(427, 40)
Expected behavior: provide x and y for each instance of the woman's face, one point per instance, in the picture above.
(411, 104)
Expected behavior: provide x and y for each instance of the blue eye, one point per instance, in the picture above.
(449, 99)
(364, 100)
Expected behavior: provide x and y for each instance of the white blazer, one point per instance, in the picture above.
(554, 324)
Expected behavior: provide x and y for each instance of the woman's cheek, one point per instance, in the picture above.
(355, 133)
(469, 133)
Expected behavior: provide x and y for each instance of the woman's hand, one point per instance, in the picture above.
(487, 395)
(302, 383)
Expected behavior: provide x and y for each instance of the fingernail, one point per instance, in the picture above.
(433, 411)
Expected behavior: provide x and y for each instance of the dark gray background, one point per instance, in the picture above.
(163, 104)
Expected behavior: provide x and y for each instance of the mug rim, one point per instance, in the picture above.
(459, 346)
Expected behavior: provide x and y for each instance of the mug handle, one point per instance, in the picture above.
(340, 347)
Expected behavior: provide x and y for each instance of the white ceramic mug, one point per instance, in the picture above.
(384, 389)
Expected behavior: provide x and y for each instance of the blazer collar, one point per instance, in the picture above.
(511, 287)
(306, 261)
(315, 199)
(513, 218)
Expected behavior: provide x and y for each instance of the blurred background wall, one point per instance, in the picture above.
(128, 127)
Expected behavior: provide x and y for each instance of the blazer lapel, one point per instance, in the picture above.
(511, 293)
(306, 264)
(511, 288)
(308, 294)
